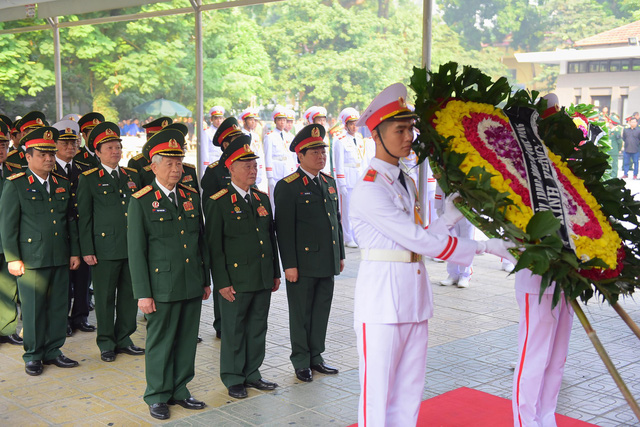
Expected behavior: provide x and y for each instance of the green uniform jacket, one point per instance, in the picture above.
(167, 255)
(215, 178)
(138, 162)
(86, 159)
(36, 227)
(102, 212)
(242, 241)
(189, 176)
(7, 171)
(18, 157)
(308, 225)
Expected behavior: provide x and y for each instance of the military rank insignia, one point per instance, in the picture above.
(371, 175)
(305, 180)
(155, 204)
(132, 185)
(262, 211)
(188, 206)
(332, 190)
(30, 179)
(234, 199)
(101, 173)
(60, 190)
(187, 178)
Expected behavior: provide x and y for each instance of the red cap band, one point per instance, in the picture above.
(387, 112)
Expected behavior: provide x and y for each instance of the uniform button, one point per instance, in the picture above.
(33, 198)
(325, 200)
(257, 229)
(105, 192)
(54, 221)
(103, 234)
(121, 191)
(125, 214)
(76, 205)
(49, 198)
(156, 270)
(329, 213)
(262, 255)
(161, 219)
(51, 210)
(261, 242)
(181, 231)
(307, 201)
(187, 260)
(179, 218)
(123, 202)
(334, 242)
(238, 217)
(332, 227)
(235, 265)
(192, 215)
(185, 246)
(29, 240)
(306, 249)
(55, 234)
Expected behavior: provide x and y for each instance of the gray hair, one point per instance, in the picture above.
(157, 158)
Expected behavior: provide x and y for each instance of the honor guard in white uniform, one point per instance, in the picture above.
(209, 153)
(249, 122)
(350, 163)
(319, 116)
(307, 115)
(393, 298)
(277, 156)
(543, 345)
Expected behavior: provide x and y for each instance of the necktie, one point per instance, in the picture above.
(172, 196)
(67, 168)
(247, 198)
(114, 174)
(355, 142)
(402, 181)
(281, 136)
(316, 181)
(46, 186)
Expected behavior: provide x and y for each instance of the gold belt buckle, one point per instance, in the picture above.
(415, 257)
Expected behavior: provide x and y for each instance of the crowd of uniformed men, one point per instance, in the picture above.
(154, 236)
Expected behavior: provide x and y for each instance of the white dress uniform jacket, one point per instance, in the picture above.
(277, 157)
(209, 153)
(258, 148)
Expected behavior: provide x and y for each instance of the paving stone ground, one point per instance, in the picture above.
(472, 343)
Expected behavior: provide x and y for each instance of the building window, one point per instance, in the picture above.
(635, 65)
(604, 66)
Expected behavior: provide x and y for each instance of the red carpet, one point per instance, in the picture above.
(465, 407)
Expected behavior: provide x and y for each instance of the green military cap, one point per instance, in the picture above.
(238, 150)
(180, 126)
(310, 136)
(103, 132)
(42, 139)
(89, 121)
(169, 142)
(34, 119)
(5, 133)
(157, 125)
(6, 120)
(228, 128)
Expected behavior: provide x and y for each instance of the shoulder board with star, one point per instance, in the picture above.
(257, 190)
(85, 164)
(12, 152)
(142, 192)
(138, 156)
(326, 175)
(189, 165)
(213, 165)
(186, 187)
(90, 171)
(59, 176)
(289, 179)
(147, 168)
(371, 175)
(16, 176)
(13, 165)
(220, 194)
(129, 169)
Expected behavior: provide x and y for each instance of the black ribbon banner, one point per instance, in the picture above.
(543, 186)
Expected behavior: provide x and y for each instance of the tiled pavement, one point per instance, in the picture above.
(472, 344)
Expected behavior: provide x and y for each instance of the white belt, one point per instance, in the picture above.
(390, 255)
(352, 165)
(279, 158)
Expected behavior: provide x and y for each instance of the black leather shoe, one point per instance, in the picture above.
(108, 356)
(69, 330)
(91, 306)
(159, 411)
(324, 369)
(199, 340)
(304, 374)
(188, 403)
(11, 339)
(84, 327)
(33, 368)
(238, 391)
(262, 384)
(133, 350)
(62, 361)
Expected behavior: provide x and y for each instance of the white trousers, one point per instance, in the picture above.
(345, 198)
(543, 344)
(463, 228)
(393, 363)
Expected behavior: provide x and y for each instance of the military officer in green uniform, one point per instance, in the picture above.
(244, 263)
(80, 279)
(189, 175)
(216, 176)
(28, 123)
(138, 162)
(168, 260)
(40, 242)
(8, 285)
(311, 249)
(103, 199)
(85, 155)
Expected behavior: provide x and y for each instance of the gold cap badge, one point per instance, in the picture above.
(48, 135)
(315, 133)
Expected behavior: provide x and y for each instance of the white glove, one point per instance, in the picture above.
(451, 214)
(497, 247)
(272, 183)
